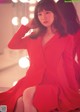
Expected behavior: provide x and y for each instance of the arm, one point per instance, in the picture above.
(18, 42)
(78, 54)
(68, 60)
(77, 46)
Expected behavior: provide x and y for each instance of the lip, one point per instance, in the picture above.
(45, 22)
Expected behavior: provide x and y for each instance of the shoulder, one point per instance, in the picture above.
(77, 33)
(69, 44)
(77, 37)
(69, 37)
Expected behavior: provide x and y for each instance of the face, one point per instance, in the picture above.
(46, 18)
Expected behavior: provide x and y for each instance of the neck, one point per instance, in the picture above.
(50, 30)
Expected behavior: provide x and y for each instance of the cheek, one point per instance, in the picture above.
(52, 18)
(40, 20)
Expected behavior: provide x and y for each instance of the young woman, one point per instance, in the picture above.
(73, 26)
(50, 84)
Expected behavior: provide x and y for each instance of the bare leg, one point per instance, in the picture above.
(28, 98)
(19, 105)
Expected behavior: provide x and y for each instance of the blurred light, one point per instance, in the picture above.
(31, 8)
(56, 1)
(31, 16)
(32, 1)
(14, 83)
(15, 21)
(28, 1)
(24, 62)
(38, 0)
(15, 1)
(24, 1)
(24, 20)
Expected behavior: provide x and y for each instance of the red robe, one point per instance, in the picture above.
(77, 52)
(51, 70)
(77, 45)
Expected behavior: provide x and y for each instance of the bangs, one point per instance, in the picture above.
(45, 5)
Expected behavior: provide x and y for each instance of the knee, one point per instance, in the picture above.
(28, 93)
(19, 100)
(19, 105)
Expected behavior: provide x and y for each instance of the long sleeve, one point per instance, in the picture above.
(69, 63)
(17, 41)
(78, 54)
(77, 45)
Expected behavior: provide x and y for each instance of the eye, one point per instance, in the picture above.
(47, 12)
(39, 14)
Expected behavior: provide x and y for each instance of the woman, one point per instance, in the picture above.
(50, 82)
(73, 26)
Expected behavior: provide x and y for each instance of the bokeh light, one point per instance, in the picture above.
(24, 62)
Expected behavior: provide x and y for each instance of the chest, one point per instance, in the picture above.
(52, 47)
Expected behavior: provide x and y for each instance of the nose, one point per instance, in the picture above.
(43, 16)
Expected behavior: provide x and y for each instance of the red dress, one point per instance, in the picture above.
(77, 44)
(77, 52)
(51, 70)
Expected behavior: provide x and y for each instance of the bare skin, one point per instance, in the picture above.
(24, 104)
(20, 105)
(28, 98)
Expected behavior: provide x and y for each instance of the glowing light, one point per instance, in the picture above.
(31, 16)
(15, 21)
(31, 8)
(28, 1)
(15, 1)
(24, 20)
(24, 1)
(38, 0)
(24, 62)
(56, 1)
(14, 83)
(32, 1)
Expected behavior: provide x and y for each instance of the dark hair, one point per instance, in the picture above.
(70, 15)
(50, 5)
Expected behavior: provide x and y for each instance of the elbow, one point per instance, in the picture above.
(11, 46)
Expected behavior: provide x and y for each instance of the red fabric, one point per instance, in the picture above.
(77, 52)
(77, 45)
(51, 70)
(46, 98)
